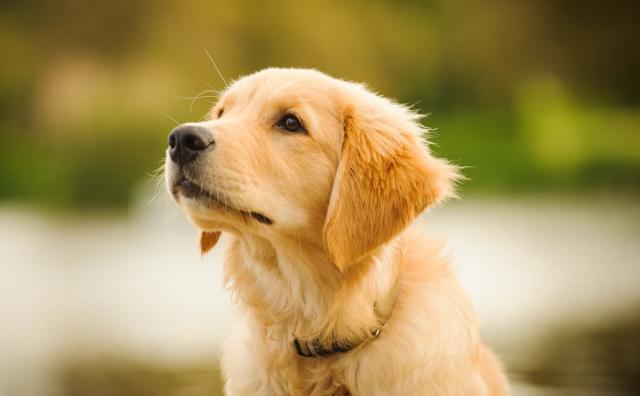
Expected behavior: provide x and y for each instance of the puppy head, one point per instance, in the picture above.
(265, 160)
(292, 153)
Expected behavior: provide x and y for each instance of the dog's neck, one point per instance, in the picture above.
(295, 286)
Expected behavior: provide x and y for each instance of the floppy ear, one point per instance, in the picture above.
(208, 240)
(385, 179)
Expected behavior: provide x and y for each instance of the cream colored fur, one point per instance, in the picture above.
(342, 197)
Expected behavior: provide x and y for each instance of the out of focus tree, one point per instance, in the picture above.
(532, 95)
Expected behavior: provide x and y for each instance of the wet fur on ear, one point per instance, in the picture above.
(208, 240)
(385, 179)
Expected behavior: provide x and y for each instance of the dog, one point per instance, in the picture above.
(317, 180)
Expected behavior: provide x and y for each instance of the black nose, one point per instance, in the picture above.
(186, 142)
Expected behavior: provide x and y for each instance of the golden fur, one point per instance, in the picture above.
(341, 197)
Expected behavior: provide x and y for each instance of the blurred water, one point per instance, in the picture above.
(99, 299)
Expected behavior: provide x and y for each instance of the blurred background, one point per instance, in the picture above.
(102, 289)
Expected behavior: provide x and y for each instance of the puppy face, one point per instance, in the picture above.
(293, 153)
(272, 148)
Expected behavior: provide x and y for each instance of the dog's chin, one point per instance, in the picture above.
(188, 189)
(207, 206)
(192, 195)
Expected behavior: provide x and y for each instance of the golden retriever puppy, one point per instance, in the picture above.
(317, 181)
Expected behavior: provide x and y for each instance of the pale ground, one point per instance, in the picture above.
(137, 287)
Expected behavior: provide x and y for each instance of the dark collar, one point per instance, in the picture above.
(382, 309)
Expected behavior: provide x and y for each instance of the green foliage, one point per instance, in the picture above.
(90, 172)
(527, 95)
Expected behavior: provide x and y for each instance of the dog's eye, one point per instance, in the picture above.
(220, 112)
(291, 123)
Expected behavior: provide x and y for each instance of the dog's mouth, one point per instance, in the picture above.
(192, 190)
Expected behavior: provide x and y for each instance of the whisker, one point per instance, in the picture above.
(216, 66)
(201, 95)
(218, 92)
(195, 97)
(170, 118)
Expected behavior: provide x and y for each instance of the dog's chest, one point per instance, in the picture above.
(316, 381)
(298, 375)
